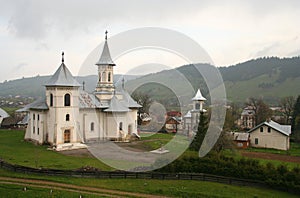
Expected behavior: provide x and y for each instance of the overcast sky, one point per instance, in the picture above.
(34, 32)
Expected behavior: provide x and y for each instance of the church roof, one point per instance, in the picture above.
(39, 104)
(284, 129)
(62, 77)
(87, 100)
(116, 106)
(3, 113)
(198, 96)
(105, 58)
(188, 115)
(128, 101)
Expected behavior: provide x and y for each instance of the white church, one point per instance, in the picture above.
(69, 116)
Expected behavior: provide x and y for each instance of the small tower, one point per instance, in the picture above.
(105, 85)
(198, 102)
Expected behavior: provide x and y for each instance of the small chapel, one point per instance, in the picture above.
(69, 117)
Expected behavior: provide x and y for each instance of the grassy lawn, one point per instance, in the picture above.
(173, 188)
(12, 190)
(294, 150)
(15, 150)
(237, 155)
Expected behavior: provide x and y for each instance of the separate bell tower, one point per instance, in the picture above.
(105, 86)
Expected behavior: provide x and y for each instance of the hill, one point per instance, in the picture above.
(271, 78)
(33, 86)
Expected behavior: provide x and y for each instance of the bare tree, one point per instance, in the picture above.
(287, 104)
(261, 110)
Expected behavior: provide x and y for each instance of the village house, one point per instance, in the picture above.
(68, 116)
(247, 119)
(241, 139)
(270, 134)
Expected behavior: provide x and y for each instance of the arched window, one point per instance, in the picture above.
(92, 126)
(51, 100)
(67, 100)
(121, 126)
(68, 117)
(103, 77)
(109, 76)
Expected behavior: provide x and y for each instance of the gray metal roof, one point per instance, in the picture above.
(284, 129)
(3, 113)
(25, 120)
(39, 104)
(105, 58)
(128, 100)
(188, 114)
(62, 77)
(241, 136)
(87, 100)
(115, 105)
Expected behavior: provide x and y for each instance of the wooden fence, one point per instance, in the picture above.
(132, 175)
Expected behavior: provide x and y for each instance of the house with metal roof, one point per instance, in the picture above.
(68, 117)
(270, 134)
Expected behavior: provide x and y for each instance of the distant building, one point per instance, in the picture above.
(69, 116)
(247, 120)
(173, 124)
(270, 134)
(191, 119)
(241, 140)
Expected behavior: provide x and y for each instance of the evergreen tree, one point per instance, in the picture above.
(199, 137)
(296, 120)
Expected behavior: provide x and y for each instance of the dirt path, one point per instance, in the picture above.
(72, 188)
(271, 156)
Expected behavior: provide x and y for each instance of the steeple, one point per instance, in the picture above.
(62, 77)
(105, 58)
(105, 85)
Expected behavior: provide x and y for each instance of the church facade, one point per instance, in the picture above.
(70, 116)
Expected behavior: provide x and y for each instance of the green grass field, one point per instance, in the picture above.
(13, 190)
(294, 150)
(172, 188)
(15, 150)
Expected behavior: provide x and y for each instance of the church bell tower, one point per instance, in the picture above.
(105, 85)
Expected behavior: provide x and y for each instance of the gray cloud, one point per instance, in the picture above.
(35, 18)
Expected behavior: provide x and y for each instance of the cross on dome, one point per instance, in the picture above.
(62, 57)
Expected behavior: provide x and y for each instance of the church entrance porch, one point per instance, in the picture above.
(67, 136)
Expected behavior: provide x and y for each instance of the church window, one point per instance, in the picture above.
(67, 100)
(269, 129)
(68, 117)
(109, 76)
(197, 106)
(256, 140)
(38, 131)
(121, 126)
(33, 117)
(103, 77)
(33, 129)
(38, 117)
(92, 126)
(51, 100)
